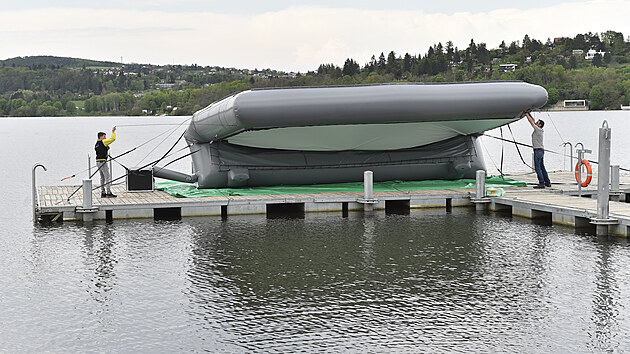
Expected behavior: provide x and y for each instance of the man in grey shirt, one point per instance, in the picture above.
(539, 151)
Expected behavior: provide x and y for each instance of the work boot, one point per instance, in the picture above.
(103, 195)
(111, 195)
(540, 186)
(548, 185)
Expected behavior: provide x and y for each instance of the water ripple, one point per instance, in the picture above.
(428, 281)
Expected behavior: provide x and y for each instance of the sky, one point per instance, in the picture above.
(285, 35)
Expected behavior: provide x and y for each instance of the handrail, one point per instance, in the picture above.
(34, 190)
(571, 152)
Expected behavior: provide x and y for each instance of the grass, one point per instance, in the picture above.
(79, 104)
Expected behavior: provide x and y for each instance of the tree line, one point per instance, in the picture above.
(559, 65)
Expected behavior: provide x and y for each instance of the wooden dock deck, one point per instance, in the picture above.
(560, 204)
(151, 204)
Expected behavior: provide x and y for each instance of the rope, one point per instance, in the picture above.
(517, 149)
(149, 164)
(173, 124)
(127, 173)
(491, 159)
(92, 175)
(163, 140)
(123, 166)
(501, 170)
(172, 147)
(125, 153)
(133, 149)
(550, 151)
(554, 125)
(179, 158)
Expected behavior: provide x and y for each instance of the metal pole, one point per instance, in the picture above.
(368, 199)
(579, 171)
(368, 185)
(89, 166)
(480, 178)
(87, 199)
(570, 152)
(34, 189)
(614, 178)
(615, 193)
(480, 193)
(571, 158)
(368, 191)
(579, 165)
(111, 173)
(603, 178)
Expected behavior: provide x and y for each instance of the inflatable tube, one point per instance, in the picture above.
(332, 134)
(263, 109)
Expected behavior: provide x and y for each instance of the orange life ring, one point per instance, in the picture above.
(589, 173)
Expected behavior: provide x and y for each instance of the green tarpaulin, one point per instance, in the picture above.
(186, 190)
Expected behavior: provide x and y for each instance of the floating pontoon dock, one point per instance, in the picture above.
(158, 204)
(559, 204)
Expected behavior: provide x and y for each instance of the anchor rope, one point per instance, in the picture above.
(501, 170)
(554, 125)
(491, 159)
(517, 149)
(169, 150)
(127, 173)
(163, 140)
(134, 148)
(174, 124)
(546, 150)
(149, 164)
(118, 162)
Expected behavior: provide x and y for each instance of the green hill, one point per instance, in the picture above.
(47, 61)
(590, 66)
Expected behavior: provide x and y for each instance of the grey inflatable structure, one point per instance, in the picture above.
(311, 135)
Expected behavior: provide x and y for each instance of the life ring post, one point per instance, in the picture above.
(578, 167)
(578, 173)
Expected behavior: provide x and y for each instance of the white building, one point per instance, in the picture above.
(507, 67)
(591, 54)
(575, 104)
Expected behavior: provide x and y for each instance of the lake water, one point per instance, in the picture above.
(429, 281)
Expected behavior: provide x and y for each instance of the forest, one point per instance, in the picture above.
(54, 86)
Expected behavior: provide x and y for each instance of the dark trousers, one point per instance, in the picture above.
(539, 166)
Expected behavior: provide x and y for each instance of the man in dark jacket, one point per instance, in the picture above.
(102, 149)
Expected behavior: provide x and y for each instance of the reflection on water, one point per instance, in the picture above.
(606, 305)
(431, 280)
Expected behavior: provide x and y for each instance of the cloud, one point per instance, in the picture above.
(297, 38)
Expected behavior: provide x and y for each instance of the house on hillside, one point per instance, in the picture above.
(578, 105)
(591, 54)
(577, 52)
(164, 86)
(508, 67)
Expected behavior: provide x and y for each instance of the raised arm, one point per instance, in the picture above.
(106, 142)
(530, 119)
